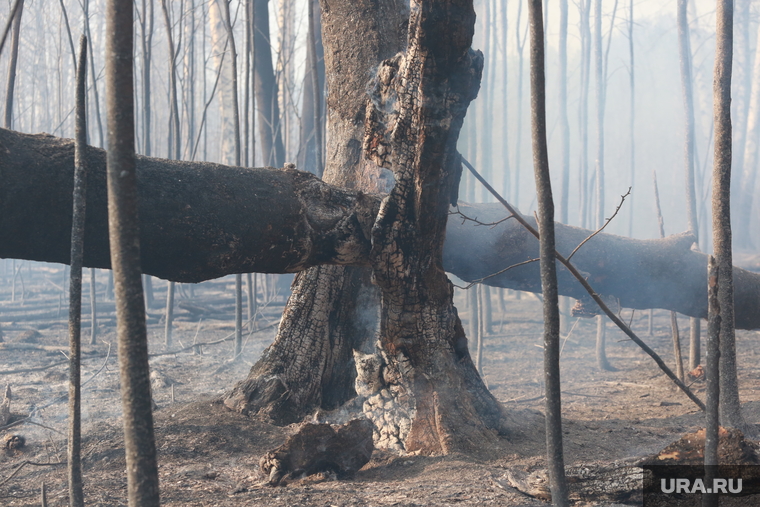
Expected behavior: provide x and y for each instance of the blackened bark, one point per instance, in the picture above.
(139, 441)
(191, 228)
(332, 309)
(419, 100)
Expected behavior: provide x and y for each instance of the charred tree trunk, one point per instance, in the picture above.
(332, 309)
(420, 98)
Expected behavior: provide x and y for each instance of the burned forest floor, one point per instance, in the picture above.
(208, 456)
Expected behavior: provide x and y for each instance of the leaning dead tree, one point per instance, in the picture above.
(195, 232)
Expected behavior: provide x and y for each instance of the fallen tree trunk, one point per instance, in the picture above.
(655, 273)
(201, 221)
(198, 220)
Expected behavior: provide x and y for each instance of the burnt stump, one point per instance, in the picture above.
(314, 448)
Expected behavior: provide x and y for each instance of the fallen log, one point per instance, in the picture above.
(201, 221)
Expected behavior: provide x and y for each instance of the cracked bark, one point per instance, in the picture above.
(419, 101)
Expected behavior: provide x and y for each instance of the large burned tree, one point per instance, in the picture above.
(201, 221)
(422, 379)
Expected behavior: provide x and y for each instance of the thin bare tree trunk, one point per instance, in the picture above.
(474, 327)
(93, 309)
(139, 441)
(93, 75)
(564, 124)
(585, 198)
(252, 306)
(712, 374)
(12, 64)
(173, 150)
(68, 33)
(190, 77)
(316, 89)
(673, 317)
(746, 192)
(554, 453)
(684, 47)
(518, 137)
(632, 118)
(9, 24)
(169, 314)
(273, 149)
(146, 24)
(730, 412)
(248, 5)
(601, 332)
(504, 139)
(76, 495)
(146, 41)
(225, 8)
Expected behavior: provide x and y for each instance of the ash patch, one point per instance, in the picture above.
(386, 402)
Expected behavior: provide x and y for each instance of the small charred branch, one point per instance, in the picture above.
(317, 448)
